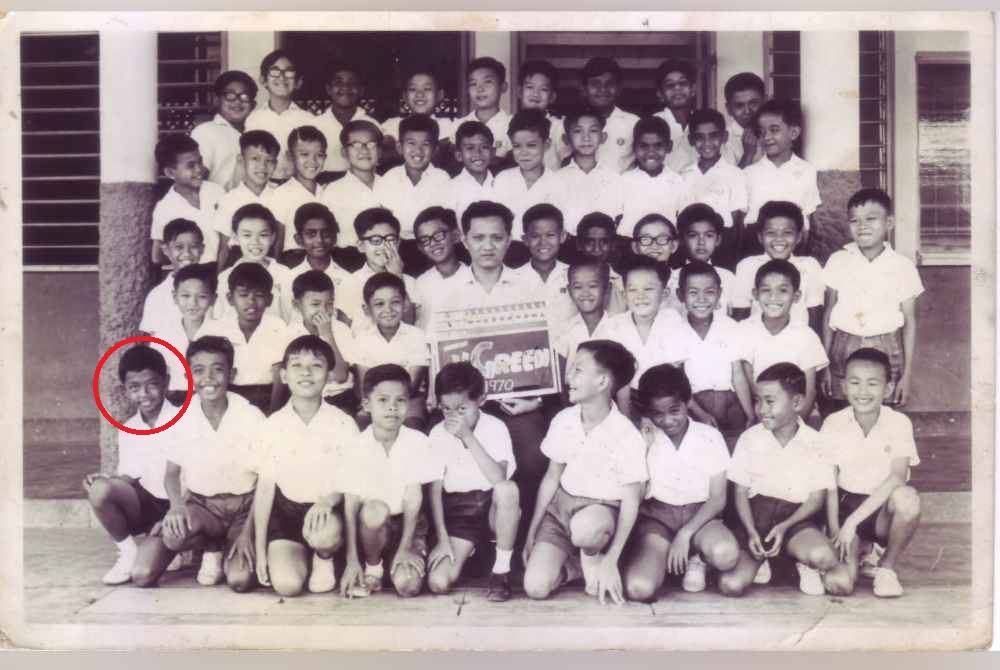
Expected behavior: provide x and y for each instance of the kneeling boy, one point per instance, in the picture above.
(872, 449)
(300, 448)
(475, 497)
(588, 500)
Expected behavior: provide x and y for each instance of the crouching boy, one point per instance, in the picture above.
(589, 497)
(475, 497)
(297, 525)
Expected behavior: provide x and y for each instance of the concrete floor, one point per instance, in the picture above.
(62, 586)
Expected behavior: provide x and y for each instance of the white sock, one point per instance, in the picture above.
(374, 570)
(128, 545)
(501, 565)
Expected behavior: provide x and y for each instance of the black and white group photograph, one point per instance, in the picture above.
(494, 332)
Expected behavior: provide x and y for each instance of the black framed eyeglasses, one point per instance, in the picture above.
(377, 240)
(277, 73)
(229, 96)
(427, 240)
(660, 240)
(371, 145)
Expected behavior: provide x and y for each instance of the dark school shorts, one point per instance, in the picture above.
(467, 515)
(845, 344)
(767, 513)
(659, 518)
(230, 510)
(288, 518)
(151, 510)
(725, 407)
(554, 527)
(850, 502)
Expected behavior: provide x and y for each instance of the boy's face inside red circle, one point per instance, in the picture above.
(145, 389)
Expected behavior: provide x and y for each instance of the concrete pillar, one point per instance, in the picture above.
(245, 50)
(128, 76)
(496, 45)
(830, 91)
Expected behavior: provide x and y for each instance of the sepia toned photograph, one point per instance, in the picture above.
(499, 331)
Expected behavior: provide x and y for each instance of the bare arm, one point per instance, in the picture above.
(909, 309)
(741, 384)
(810, 397)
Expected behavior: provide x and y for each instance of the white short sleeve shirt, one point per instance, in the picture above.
(219, 461)
(173, 206)
(461, 472)
(303, 458)
(144, 457)
(579, 193)
(795, 343)
(723, 188)
(616, 153)
(159, 306)
(341, 335)
(280, 125)
(512, 190)
(351, 301)
(281, 292)
(864, 461)
(665, 343)
(681, 475)
(465, 190)
(498, 125)
(406, 199)
(727, 290)
(254, 357)
(643, 194)
(219, 144)
(709, 361)
(346, 198)
(561, 305)
(337, 275)
(285, 200)
(239, 196)
(599, 462)
(791, 472)
(575, 334)
(331, 126)
(682, 154)
(372, 474)
(795, 181)
(431, 286)
(811, 286)
(408, 347)
(870, 293)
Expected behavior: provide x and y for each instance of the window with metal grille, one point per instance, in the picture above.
(943, 152)
(875, 107)
(783, 64)
(60, 146)
(188, 64)
(638, 55)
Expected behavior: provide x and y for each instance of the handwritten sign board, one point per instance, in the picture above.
(509, 344)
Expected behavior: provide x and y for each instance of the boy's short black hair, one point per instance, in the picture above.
(482, 209)
(170, 147)
(355, 125)
(789, 111)
(436, 213)
(260, 139)
(599, 65)
(696, 213)
(204, 272)
(471, 129)
(421, 68)
(614, 358)
(461, 377)
(744, 81)
(584, 111)
(602, 267)
(230, 76)
(595, 220)
(651, 125)
(686, 68)
(487, 63)
(867, 195)
(177, 227)
(662, 381)
(534, 120)
(339, 65)
(777, 266)
(315, 210)
(694, 268)
(213, 344)
(251, 276)
(255, 210)
(529, 68)
(873, 356)
(311, 280)
(645, 263)
(789, 375)
(311, 344)
(706, 115)
(781, 208)
(389, 372)
(272, 58)
(542, 210)
(419, 123)
(652, 218)
(138, 358)
(306, 134)
(371, 217)
(381, 280)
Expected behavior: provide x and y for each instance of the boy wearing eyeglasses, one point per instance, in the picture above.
(219, 139)
(344, 87)
(280, 116)
(378, 240)
(361, 146)
(655, 237)
(439, 239)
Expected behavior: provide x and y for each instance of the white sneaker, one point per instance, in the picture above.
(210, 572)
(869, 563)
(810, 581)
(176, 564)
(694, 576)
(121, 571)
(322, 578)
(590, 565)
(763, 575)
(887, 583)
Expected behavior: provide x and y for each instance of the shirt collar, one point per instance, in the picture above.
(887, 250)
(167, 412)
